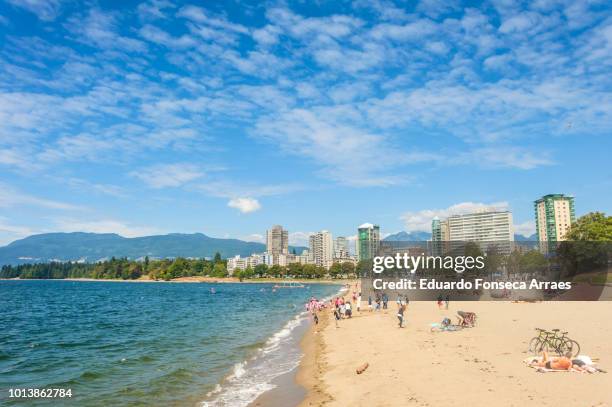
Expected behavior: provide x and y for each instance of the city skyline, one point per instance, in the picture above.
(159, 117)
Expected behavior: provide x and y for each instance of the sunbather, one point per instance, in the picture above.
(554, 363)
(466, 319)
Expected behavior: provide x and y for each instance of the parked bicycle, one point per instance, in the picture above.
(554, 340)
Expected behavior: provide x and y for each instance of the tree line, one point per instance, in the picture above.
(168, 269)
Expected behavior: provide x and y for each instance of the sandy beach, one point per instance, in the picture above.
(480, 366)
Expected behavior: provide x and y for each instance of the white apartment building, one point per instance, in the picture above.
(321, 249)
(236, 263)
(480, 227)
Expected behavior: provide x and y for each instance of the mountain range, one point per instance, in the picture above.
(92, 247)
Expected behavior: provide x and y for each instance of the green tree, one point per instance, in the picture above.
(217, 258)
(335, 271)
(348, 269)
(594, 226)
(261, 270)
(219, 270)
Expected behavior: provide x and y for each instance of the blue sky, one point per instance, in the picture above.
(156, 116)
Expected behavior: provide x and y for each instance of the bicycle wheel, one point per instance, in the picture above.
(539, 347)
(544, 347)
(533, 344)
(573, 347)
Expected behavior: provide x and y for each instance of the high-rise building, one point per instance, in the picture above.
(439, 236)
(489, 228)
(321, 249)
(341, 248)
(277, 241)
(368, 241)
(483, 226)
(554, 215)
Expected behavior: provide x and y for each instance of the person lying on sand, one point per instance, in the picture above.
(554, 363)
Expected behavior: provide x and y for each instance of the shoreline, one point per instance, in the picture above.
(313, 366)
(195, 279)
(303, 386)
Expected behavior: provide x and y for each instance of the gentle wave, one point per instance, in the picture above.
(251, 378)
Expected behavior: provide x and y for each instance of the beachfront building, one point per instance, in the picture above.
(488, 228)
(554, 215)
(341, 248)
(368, 241)
(303, 258)
(321, 249)
(236, 263)
(277, 240)
(439, 236)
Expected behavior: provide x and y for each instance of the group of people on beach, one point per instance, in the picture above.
(342, 309)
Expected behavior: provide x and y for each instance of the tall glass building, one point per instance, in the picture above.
(368, 241)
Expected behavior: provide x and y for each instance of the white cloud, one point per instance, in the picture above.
(342, 149)
(159, 36)
(46, 10)
(168, 175)
(420, 221)
(244, 205)
(255, 237)
(200, 15)
(526, 228)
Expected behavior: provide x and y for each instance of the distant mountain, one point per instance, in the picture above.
(521, 238)
(91, 247)
(424, 236)
(409, 237)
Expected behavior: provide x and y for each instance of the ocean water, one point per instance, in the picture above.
(148, 344)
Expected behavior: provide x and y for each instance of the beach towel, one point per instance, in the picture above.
(541, 369)
(436, 326)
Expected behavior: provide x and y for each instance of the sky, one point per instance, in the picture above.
(225, 118)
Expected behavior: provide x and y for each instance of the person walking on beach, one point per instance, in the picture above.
(446, 301)
(440, 301)
(359, 303)
(348, 310)
(370, 303)
(337, 316)
(385, 300)
(400, 315)
(399, 300)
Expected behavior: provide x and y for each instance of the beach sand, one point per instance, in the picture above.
(479, 366)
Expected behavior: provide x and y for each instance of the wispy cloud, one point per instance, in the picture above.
(12, 197)
(168, 175)
(46, 10)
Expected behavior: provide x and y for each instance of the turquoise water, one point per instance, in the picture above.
(144, 344)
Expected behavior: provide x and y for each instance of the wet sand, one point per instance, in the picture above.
(479, 366)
